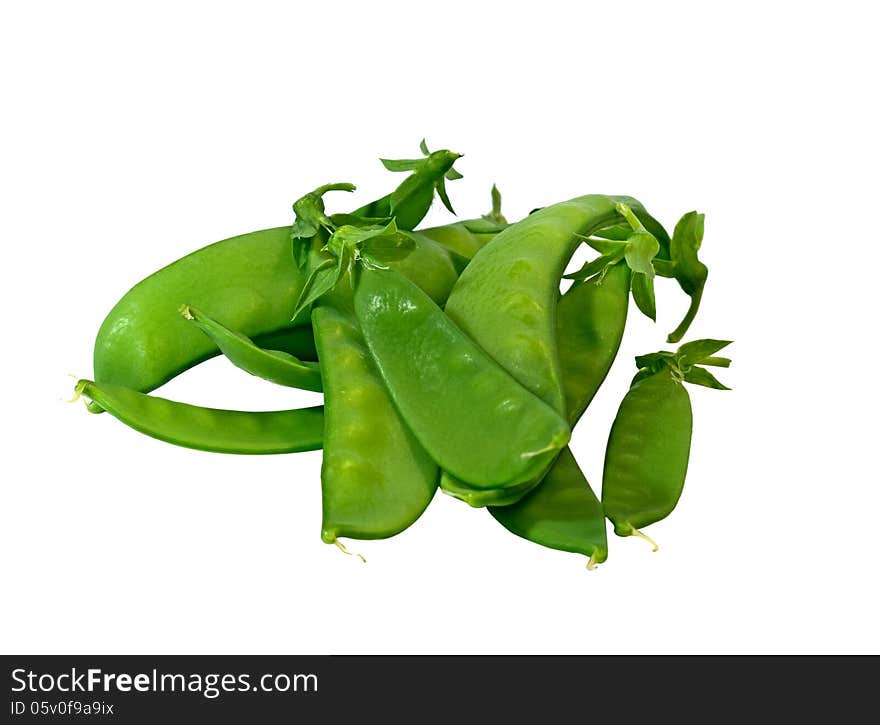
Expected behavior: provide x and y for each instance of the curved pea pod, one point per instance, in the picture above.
(591, 317)
(209, 429)
(273, 365)
(449, 392)
(249, 281)
(505, 300)
(562, 513)
(376, 479)
(648, 448)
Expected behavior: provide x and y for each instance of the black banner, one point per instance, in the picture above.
(168, 689)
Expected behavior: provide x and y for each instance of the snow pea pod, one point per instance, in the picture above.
(506, 298)
(249, 281)
(273, 365)
(646, 458)
(449, 391)
(376, 479)
(563, 512)
(209, 429)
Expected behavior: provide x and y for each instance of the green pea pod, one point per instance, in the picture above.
(563, 512)
(646, 458)
(273, 365)
(249, 281)
(376, 479)
(506, 298)
(449, 391)
(298, 341)
(209, 429)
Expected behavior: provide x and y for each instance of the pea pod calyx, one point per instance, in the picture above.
(686, 363)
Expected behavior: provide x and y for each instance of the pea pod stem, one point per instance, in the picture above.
(344, 550)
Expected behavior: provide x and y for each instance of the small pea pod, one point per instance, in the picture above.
(209, 429)
(648, 448)
(273, 365)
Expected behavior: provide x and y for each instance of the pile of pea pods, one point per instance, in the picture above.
(448, 357)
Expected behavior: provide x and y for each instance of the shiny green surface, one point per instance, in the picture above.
(275, 366)
(209, 429)
(474, 419)
(376, 479)
(647, 455)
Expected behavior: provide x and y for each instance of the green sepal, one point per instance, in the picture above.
(322, 279)
(402, 164)
(453, 175)
(695, 352)
(718, 362)
(641, 248)
(423, 147)
(606, 246)
(310, 219)
(684, 363)
(701, 376)
(495, 215)
(441, 192)
(643, 294)
(597, 266)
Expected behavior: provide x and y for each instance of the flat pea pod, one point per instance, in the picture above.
(449, 392)
(376, 479)
(647, 455)
(209, 429)
(273, 365)
(646, 459)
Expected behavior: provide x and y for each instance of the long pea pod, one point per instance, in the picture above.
(563, 512)
(209, 429)
(506, 301)
(376, 479)
(648, 448)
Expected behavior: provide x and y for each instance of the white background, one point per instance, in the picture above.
(133, 136)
